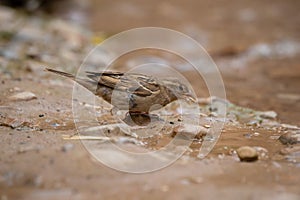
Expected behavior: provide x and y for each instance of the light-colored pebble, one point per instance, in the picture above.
(268, 114)
(190, 131)
(256, 134)
(288, 126)
(23, 96)
(247, 153)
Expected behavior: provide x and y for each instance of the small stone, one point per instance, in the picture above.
(268, 114)
(67, 147)
(33, 53)
(15, 89)
(204, 101)
(38, 181)
(256, 134)
(290, 150)
(207, 126)
(190, 131)
(196, 180)
(23, 96)
(247, 135)
(274, 137)
(55, 125)
(221, 156)
(247, 154)
(290, 138)
(124, 140)
(288, 126)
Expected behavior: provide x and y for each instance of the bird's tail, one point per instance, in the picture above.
(89, 84)
(71, 76)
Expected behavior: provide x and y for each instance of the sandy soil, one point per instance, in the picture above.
(256, 47)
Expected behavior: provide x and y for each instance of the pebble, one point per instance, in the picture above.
(268, 114)
(190, 131)
(288, 126)
(247, 154)
(290, 150)
(15, 89)
(204, 101)
(67, 147)
(191, 180)
(274, 137)
(247, 135)
(124, 140)
(37, 181)
(290, 138)
(256, 134)
(23, 96)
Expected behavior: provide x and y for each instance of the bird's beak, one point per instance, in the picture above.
(191, 98)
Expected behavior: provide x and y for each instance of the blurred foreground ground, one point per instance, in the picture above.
(256, 46)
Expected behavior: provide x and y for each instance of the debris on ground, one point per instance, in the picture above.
(23, 96)
(13, 123)
(290, 138)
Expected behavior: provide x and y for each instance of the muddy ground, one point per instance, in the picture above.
(256, 46)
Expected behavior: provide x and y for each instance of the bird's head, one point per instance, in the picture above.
(179, 90)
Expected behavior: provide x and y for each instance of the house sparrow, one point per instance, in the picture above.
(137, 93)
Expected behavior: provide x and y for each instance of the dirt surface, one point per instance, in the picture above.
(256, 46)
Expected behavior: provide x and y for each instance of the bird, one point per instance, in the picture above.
(137, 93)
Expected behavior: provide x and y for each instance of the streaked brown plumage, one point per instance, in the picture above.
(137, 93)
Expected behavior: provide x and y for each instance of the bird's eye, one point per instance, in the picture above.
(180, 87)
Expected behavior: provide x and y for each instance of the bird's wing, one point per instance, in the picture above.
(136, 84)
